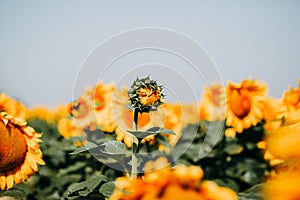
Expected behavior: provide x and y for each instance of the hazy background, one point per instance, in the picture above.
(43, 43)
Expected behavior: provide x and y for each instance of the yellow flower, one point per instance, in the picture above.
(67, 128)
(292, 98)
(284, 142)
(42, 113)
(12, 106)
(283, 186)
(185, 113)
(103, 94)
(82, 111)
(148, 96)
(213, 103)
(244, 104)
(210, 190)
(273, 112)
(60, 112)
(20, 153)
(162, 182)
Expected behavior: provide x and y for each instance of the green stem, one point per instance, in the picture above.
(134, 158)
(136, 119)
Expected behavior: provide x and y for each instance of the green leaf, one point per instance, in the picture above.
(86, 187)
(253, 193)
(161, 130)
(13, 194)
(164, 141)
(233, 149)
(115, 147)
(107, 189)
(151, 131)
(85, 148)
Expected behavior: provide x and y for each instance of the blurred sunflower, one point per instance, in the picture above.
(291, 105)
(102, 97)
(81, 111)
(213, 103)
(291, 99)
(42, 113)
(162, 182)
(283, 186)
(20, 153)
(67, 128)
(12, 106)
(185, 113)
(244, 104)
(284, 143)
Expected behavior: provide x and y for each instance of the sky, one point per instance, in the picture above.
(44, 45)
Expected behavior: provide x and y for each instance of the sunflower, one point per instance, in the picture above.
(213, 103)
(162, 182)
(81, 110)
(12, 106)
(145, 95)
(164, 116)
(46, 114)
(291, 99)
(244, 104)
(284, 143)
(102, 98)
(20, 153)
(185, 113)
(123, 117)
(67, 128)
(42, 113)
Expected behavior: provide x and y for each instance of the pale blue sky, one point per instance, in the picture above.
(43, 43)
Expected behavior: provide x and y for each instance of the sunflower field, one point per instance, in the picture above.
(130, 143)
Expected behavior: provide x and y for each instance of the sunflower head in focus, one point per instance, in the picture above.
(244, 104)
(20, 153)
(145, 95)
(124, 117)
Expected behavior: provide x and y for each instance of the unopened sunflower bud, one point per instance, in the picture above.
(145, 95)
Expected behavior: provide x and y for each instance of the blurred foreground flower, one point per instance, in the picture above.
(284, 144)
(244, 104)
(162, 182)
(20, 153)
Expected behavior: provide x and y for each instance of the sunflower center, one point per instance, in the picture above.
(80, 109)
(148, 96)
(144, 119)
(13, 147)
(240, 104)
